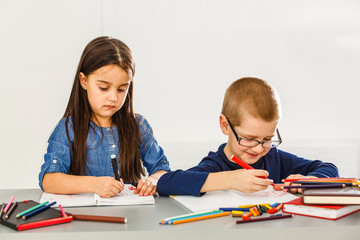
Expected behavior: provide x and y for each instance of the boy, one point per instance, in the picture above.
(250, 116)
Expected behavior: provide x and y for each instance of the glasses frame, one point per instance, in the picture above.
(238, 139)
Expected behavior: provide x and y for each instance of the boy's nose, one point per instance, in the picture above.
(258, 149)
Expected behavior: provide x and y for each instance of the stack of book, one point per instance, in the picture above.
(328, 198)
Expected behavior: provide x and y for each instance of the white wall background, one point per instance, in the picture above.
(187, 52)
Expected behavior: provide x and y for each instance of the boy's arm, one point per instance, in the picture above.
(243, 180)
(61, 183)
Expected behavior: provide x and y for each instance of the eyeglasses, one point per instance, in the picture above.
(247, 142)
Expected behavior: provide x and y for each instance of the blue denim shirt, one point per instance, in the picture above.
(101, 144)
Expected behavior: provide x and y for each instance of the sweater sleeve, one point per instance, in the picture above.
(293, 164)
(187, 182)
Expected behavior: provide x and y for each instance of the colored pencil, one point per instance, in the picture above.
(234, 209)
(188, 215)
(323, 179)
(31, 209)
(99, 218)
(11, 210)
(315, 186)
(264, 218)
(9, 204)
(327, 182)
(244, 165)
(201, 218)
(62, 211)
(26, 216)
(2, 210)
(192, 215)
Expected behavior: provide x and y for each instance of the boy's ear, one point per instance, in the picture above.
(83, 81)
(224, 125)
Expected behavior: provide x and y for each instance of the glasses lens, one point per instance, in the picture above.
(248, 142)
(275, 144)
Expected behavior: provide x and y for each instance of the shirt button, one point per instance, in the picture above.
(113, 146)
(164, 161)
(54, 161)
(108, 129)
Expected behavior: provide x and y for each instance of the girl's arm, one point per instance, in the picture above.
(147, 186)
(61, 183)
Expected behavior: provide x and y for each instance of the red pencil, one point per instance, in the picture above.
(244, 165)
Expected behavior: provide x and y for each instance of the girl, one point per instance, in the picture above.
(99, 122)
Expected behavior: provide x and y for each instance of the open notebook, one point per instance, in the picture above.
(126, 197)
(232, 198)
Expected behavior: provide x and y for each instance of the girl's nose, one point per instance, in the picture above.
(113, 97)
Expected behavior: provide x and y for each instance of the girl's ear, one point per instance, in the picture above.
(224, 125)
(83, 81)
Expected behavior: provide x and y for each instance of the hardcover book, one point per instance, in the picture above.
(332, 212)
(44, 218)
(340, 196)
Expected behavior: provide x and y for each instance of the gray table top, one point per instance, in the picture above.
(143, 221)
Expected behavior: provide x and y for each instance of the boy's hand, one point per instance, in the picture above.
(145, 187)
(249, 181)
(107, 187)
(295, 176)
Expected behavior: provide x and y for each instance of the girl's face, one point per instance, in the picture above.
(107, 88)
(251, 128)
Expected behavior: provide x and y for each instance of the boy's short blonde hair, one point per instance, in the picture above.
(251, 95)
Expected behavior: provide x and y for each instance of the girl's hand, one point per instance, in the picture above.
(249, 181)
(145, 187)
(295, 176)
(107, 187)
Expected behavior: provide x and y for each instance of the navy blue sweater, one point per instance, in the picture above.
(278, 163)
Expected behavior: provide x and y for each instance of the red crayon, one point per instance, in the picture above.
(244, 165)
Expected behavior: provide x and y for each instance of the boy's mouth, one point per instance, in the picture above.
(252, 155)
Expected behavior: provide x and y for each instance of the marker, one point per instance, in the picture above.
(245, 165)
(115, 168)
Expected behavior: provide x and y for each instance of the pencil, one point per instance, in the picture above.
(2, 210)
(9, 204)
(201, 218)
(187, 215)
(99, 218)
(245, 165)
(62, 211)
(315, 186)
(11, 210)
(334, 179)
(192, 215)
(26, 216)
(326, 182)
(264, 218)
(31, 209)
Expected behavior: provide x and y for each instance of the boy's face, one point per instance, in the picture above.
(250, 128)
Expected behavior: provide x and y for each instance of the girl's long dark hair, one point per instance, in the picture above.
(98, 53)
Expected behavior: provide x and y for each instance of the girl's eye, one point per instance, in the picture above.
(122, 89)
(103, 88)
